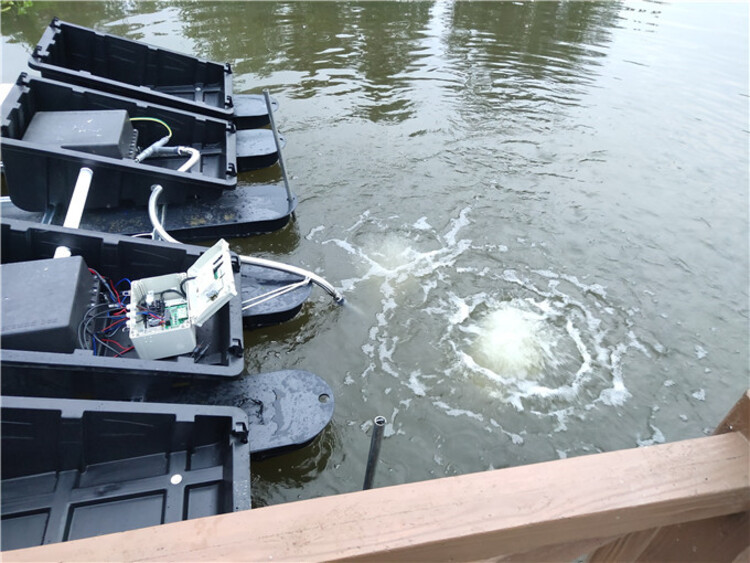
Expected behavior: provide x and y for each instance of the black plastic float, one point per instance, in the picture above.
(83, 56)
(286, 409)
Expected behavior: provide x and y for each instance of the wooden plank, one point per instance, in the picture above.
(738, 419)
(561, 552)
(634, 547)
(716, 539)
(469, 517)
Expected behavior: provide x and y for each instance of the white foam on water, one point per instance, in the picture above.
(450, 411)
(700, 352)
(416, 385)
(313, 231)
(422, 224)
(657, 437)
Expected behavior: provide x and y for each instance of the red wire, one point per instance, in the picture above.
(123, 352)
(113, 342)
(113, 289)
(113, 324)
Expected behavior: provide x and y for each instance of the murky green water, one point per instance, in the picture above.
(538, 213)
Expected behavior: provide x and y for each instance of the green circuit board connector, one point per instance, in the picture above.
(178, 314)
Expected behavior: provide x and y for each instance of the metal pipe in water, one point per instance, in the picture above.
(269, 108)
(372, 457)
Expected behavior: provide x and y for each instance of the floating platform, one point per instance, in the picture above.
(100, 61)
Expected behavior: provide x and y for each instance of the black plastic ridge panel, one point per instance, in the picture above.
(117, 257)
(101, 61)
(249, 210)
(73, 469)
(42, 174)
(85, 57)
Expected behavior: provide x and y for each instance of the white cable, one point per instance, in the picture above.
(156, 190)
(195, 156)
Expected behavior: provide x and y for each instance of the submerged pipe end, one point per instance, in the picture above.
(379, 420)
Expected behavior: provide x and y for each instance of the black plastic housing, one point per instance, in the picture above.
(46, 301)
(42, 174)
(73, 469)
(102, 132)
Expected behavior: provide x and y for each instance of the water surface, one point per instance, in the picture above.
(538, 213)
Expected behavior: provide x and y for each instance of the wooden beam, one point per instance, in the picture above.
(470, 517)
(728, 535)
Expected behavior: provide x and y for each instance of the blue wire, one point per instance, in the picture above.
(122, 280)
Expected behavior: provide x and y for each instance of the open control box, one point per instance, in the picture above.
(164, 311)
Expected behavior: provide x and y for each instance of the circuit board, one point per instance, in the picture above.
(175, 315)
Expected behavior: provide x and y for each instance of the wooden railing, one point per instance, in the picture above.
(684, 501)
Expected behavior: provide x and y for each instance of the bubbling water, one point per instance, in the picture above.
(476, 338)
(512, 342)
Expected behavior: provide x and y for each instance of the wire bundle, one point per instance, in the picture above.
(112, 313)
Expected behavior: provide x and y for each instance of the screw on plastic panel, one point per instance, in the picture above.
(175, 479)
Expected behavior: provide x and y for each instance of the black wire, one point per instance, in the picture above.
(93, 314)
(178, 292)
(92, 318)
(84, 321)
(182, 285)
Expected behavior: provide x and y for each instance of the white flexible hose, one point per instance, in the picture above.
(250, 260)
(195, 156)
(153, 214)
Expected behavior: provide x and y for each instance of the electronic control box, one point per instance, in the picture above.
(164, 311)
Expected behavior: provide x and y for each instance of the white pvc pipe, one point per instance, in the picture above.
(78, 199)
(75, 207)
